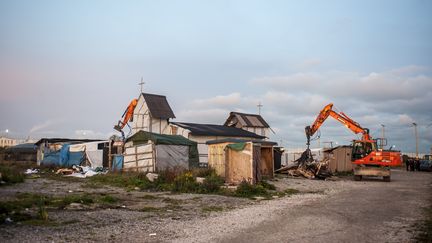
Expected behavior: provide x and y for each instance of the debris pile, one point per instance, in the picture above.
(81, 171)
(307, 167)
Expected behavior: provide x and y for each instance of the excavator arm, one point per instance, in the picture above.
(341, 117)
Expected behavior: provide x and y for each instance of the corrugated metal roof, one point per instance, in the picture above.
(158, 106)
(246, 120)
(236, 140)
(216, 130)
(65, 140)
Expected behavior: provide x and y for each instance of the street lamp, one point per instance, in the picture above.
(383, 136)
(416, 136)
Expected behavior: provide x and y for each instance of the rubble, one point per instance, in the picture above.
(307, 167)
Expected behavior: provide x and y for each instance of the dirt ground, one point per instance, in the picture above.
(324, 211)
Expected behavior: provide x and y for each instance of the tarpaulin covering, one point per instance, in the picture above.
(63, 158)
(51, 158)
(142, 137)
(169, 156)
(237, 146)
(93, 154)
(117, 163)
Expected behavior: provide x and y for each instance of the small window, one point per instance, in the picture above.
(174, 130)
(100, 146)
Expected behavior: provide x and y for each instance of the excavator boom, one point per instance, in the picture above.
(341, 117)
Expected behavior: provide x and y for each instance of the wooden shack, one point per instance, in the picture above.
(239, 160)
(339, 158)
(151, 152)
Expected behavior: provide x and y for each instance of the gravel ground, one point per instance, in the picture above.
(321, 208)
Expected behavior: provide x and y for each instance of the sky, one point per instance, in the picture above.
(70, 68)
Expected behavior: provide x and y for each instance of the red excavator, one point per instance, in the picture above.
(367, 158)
(127, 116)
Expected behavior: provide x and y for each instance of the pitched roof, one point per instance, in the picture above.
(238, 119)
(142, 137)
(216, 130)
(158, 106)
(237, 140)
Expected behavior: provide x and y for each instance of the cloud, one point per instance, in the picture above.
(372, 86)
(309, 63)
(395, 98)
(46, 124)
(405, 119)
(90, 134)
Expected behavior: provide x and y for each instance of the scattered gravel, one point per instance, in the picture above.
(165, 217)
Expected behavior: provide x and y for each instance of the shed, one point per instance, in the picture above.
(238, 160)
(152, 114)
(151, 152)
(250, 122)
(96, 153)
(339, 158)
(21, 152)
(52, 146)
(202, 133)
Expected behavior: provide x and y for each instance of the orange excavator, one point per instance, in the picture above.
(367, 158)
(127, 116)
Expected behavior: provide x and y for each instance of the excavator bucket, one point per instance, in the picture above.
(118, 128)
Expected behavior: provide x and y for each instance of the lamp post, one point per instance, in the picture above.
(416, 137)
(383, 136)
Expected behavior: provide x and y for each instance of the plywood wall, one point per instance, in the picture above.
(216, 158)
(139, 158)
(239, 165)
(340, 160)
(266, 162)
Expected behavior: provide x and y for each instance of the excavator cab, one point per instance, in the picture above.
(361, 149)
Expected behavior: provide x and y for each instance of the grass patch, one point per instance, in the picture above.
(18, 210)
(125, 180)
(150, 209)
(171, 201)
(212, 209)
(173, 207)
(168, 180)
(72, 221)
(149, 197)
(290, 191)
(203, 172)
(250, 191)
(108, 199)
(11, 174)
(212, 183)
(85, 199)
(267, 185)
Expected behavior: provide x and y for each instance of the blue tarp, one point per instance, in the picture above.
(64, 155)
(63, 158)
(52, 158)
(117, 163)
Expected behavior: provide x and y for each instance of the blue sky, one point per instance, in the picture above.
(70, 67)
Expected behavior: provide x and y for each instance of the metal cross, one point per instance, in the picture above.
(259, 107)
(141, 84)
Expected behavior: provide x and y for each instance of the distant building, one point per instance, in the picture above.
(152, 114)
(7, 142)
(249, 122)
